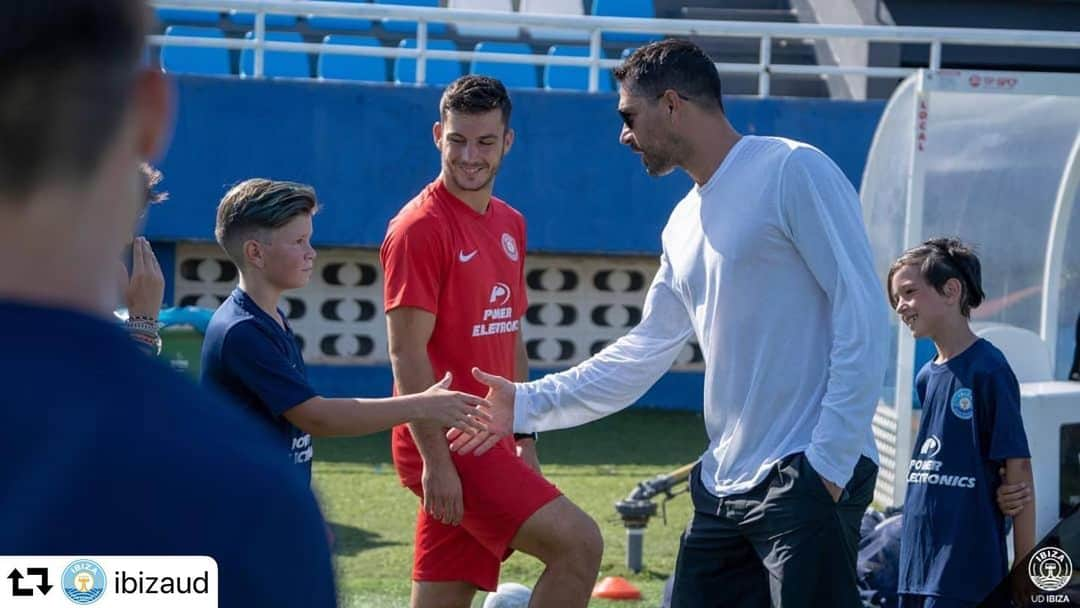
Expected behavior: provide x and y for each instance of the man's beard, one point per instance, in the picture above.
(492, 172)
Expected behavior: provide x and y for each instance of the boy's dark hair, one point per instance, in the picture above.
(67, 67)
(256, 206)
(942, 259)
(475, 95)
(677, 65)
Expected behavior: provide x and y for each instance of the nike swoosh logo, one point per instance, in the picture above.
(465, 257)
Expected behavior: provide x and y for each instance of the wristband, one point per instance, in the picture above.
(520, 436)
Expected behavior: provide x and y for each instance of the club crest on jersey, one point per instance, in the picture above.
(962, 404)
(510, 246)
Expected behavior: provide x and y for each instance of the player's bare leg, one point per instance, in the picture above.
(569, 543)
(430, 594)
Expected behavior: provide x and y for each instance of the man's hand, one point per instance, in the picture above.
(452, 408)
(146, 288)
(501, 398)
(1012, 498)
(442, 493)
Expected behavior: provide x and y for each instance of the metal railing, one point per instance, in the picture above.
(595, 27)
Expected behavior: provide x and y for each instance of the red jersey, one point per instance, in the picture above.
(468, 269)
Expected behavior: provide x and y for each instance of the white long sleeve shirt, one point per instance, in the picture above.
(769, 266)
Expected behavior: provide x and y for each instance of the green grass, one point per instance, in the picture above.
(596, 465)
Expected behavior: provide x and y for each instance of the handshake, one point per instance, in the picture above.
(476, 424)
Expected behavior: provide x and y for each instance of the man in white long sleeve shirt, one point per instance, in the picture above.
(767, 263)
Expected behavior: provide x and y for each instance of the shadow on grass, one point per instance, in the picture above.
(638, 436)
(350, 540)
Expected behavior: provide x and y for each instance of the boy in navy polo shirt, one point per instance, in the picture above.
(250, 352)
(952, 550)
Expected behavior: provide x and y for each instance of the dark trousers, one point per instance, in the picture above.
(784, 544)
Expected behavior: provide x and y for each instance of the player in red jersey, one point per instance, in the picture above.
(453, 261)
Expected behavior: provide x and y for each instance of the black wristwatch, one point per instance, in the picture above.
(520, 436)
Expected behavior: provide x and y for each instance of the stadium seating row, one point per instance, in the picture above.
(605, 8)
(402, 70)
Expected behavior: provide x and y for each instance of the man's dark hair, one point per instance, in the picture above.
(939, 260)
(254, 207)
(677, 65)
(66, 67)
(475, 95)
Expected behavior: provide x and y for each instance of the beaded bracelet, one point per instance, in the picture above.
(140, 323)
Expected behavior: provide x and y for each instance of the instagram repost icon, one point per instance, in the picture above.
(84, 581)
(1050, 569)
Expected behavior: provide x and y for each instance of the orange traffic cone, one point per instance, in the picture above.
(616, 588)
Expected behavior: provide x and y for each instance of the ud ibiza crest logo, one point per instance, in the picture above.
(84, 581)
(1050, 569)
(962, 405)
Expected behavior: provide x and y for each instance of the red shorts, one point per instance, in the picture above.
(500, 493)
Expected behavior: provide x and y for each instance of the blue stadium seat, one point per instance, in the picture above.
(642, 9)
(571, 77)
(183, 15)
(517, 75)
(248, 20)
(341, 23)
(409, 27)
(439, 71)
(488, 31)
(352, 67)
(289, 64)
(194, 60)
(572, 8)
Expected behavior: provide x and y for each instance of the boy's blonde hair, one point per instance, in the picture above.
(257, 206)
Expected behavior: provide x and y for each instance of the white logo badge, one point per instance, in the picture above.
(1050, 569)
(510, 246)
(500, 294)
(931, 446)
(465, 257)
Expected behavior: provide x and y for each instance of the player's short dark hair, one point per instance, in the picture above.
(474, 94)
(67, 68)
(673, 64)
(254, 207)
(939, 260)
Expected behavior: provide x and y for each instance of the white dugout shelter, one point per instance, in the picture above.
(993, 158)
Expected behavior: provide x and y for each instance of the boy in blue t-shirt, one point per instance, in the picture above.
(952, 551)
(251, 354)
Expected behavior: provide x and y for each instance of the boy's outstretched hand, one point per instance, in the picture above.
(455, 409)
(500, 396)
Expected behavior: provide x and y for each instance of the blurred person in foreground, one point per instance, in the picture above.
(108, 451)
